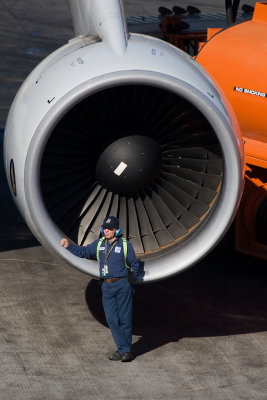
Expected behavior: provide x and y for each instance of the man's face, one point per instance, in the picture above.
(109, 233)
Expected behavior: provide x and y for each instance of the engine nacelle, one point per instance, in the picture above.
(143, 135)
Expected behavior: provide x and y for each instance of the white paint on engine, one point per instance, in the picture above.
(120, 168)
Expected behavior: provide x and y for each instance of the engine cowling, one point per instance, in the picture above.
(145, 136)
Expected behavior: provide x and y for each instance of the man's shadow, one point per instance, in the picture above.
(225, 294)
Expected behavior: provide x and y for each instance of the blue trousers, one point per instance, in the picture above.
(117, 298)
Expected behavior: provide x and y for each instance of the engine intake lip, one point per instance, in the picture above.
(213, 227)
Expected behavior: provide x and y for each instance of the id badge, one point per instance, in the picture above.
(104, 270)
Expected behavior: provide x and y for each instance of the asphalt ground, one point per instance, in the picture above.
(200, 335)
(150, 7)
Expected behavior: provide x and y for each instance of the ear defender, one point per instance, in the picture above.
(117, 233)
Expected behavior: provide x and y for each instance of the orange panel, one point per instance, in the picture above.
(236, 58)
(212, 31)
(247, 233)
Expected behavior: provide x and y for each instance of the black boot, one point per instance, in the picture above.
(115, 356)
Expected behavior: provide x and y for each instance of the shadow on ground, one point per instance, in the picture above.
(225, 294)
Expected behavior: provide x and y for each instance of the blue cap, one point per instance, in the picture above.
(110, 223)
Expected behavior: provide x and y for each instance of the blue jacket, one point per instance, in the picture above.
(115, 261)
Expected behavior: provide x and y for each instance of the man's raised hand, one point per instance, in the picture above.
(64, 242)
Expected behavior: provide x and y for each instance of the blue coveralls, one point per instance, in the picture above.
(117, 297)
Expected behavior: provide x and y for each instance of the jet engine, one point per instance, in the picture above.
(132, 128)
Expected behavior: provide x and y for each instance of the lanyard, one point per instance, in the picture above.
(107, 255)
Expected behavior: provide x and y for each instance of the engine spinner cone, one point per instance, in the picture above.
(128, 164)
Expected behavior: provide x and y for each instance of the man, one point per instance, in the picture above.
(117, 292)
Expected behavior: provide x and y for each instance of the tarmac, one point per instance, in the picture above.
(201, 335)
